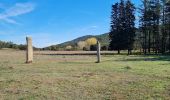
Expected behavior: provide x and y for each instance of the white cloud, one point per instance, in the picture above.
(16, 10)
(9, 20)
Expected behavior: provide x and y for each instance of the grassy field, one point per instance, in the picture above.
(59, 77)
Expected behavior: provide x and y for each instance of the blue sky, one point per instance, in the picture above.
(51, 22)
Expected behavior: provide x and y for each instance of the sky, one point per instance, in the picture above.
(51, 22)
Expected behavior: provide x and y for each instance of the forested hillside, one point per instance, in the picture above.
(103, 39)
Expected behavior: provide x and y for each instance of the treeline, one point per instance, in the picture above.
(14, 46)
(11, 45)
(153, 33)
(155, 26)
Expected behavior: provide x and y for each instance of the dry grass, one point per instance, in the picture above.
(72, 52)
(62, 77)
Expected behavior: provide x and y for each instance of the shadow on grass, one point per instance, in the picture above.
(147, 58)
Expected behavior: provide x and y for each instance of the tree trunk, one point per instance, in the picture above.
(149, 45)
(145, 44)
(118, 51)
(163, 32)
(169, 41)
(129, 52)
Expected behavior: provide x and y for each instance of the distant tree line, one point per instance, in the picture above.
(14, 46)
(11, 45)
(153, 33)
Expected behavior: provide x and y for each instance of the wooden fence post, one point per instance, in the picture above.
(98, 52)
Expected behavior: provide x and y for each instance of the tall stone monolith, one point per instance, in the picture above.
(29, 51)
(98, 52)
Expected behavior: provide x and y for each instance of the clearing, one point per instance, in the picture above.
(77, 77)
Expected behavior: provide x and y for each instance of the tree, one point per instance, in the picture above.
(81, 44)
(68, 48)
(91, 41)
(130, 24)
(118, 23)
(143, 21)
(122, 31)
(113, 35)
(149, 25)
(155, 25)
(122, 27)
(167, 20)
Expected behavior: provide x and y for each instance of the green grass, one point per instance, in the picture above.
(80, 78)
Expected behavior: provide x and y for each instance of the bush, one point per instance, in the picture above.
(93, 47)
(81, 44)
(85, 49)
(69, 48)
(104, 48)
(91, 41)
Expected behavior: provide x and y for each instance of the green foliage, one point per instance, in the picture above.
(130, 25)
(122, 31)
(155, 34)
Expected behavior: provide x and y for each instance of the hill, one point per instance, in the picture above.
(103, 38)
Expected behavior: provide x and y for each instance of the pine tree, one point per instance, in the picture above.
(130, 25)
(144, 24)
(164, 34)
(150, 25)
(167, 21)
(122, 26)
(114, 28)
(155, 21)
(118, 27)
(122, 31)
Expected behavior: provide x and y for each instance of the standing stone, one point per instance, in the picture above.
(29, 52)
(98, 52)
